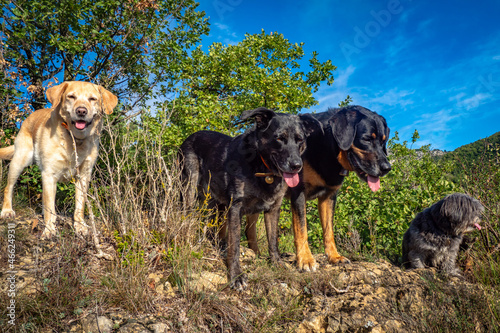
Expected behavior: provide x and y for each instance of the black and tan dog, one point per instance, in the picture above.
(353, 138)
(247, 174)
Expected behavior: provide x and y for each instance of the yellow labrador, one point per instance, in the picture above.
(63, 141)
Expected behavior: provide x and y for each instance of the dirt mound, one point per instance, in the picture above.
(358, 297)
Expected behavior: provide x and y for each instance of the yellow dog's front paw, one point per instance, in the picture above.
(7, 214)
(81, 228)
(48, 233)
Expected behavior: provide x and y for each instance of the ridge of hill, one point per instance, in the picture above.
(477, 150)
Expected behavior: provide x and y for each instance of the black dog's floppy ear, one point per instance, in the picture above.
(261, 115)
(343, 125)
(387, 133)
(311, 124)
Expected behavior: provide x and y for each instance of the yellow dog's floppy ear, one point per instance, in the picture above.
(109, 100)
(54, 94)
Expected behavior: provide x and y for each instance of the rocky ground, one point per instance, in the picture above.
(358, 297)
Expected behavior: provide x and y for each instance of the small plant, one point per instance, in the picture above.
(129, 249)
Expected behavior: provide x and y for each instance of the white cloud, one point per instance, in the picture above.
(225, 34)
(471, 102)
(343, 77)
(475, 101)
(331, 96)
(457, 97)
(393, 97)
(434, 128)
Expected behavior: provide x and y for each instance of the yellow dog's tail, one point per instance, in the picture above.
(7, 153)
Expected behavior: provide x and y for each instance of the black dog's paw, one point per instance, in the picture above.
(239, 283)
(275, 258)
(455, 273)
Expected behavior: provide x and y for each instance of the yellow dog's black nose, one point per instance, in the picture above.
(81, 111)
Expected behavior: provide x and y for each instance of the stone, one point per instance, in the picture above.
(394, 326)
(133, 328)
(316, 324)
(160, 328)
(207, 281)
(168, 290)
(91, 323)
(247, 255)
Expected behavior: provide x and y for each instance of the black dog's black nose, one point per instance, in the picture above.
(385, 167)
(81, 111)
(295, 166)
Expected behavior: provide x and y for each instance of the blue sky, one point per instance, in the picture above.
(433, 66)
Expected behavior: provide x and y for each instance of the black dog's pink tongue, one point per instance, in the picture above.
(373, 183)
(80, 124)
(291, 179)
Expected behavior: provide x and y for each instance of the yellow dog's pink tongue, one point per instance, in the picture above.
(477, 226)
(373, 183)
(80, 124)
(291, 179)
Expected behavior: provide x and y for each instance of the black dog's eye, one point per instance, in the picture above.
(367, 139)
(299, 139)
(281, 139)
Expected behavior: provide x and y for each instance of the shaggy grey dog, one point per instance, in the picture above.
(435, 234)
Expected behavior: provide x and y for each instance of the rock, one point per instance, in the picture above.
(167, 289)
(247, 255)
(207, 281)
(394, 326)
(118, 318)
(317, 324)
(29, 286)
(159, 328)
(76, 327)
(285, 289)
(133, 328)
(91, 323)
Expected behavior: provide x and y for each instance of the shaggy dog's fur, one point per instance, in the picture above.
(436, 233)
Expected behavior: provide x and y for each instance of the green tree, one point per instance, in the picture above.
(346, 101)
(127, 46)
(134, 48)
(262, 70)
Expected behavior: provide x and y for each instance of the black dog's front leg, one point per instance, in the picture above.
(271, 219)
(449, 265)
(237, 279)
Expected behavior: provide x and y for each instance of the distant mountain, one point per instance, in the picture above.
(476, 149)
(475, 152)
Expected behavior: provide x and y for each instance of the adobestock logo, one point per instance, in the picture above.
(224, 6)
(363, 37)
